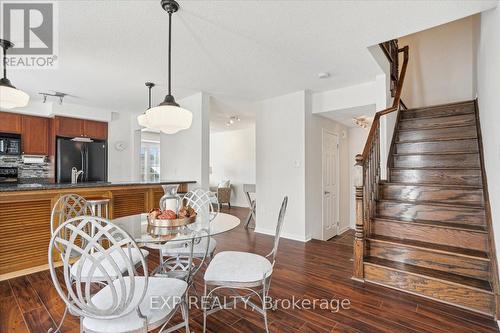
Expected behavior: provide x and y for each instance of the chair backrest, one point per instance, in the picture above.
(97, 260)
(66, 208)
(279, 226)
(203, 202)
(185, 265)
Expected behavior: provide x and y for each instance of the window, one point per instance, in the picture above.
(150, 160)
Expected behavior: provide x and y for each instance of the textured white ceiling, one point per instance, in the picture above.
(246, 50)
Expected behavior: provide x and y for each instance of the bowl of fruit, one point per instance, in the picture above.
(170, 219)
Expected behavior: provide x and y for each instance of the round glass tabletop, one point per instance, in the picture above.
(140, 230)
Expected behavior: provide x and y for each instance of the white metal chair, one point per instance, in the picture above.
(73, 205)
(126, 303)
(66, 208)
(202, 201)
(243, 271)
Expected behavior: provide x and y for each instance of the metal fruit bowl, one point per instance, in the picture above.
(174, 223)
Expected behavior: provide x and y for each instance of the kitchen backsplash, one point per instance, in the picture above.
(26, 171)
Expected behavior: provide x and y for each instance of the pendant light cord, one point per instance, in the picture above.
(150, 87)
(4, 62)
(169, 50)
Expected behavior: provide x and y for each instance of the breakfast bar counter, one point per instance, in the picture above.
(25, 211)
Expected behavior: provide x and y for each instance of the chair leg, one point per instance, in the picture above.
(60, 323)
(264, 306)
(204, 305)
(185, 315)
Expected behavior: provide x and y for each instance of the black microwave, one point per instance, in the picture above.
(10, 144)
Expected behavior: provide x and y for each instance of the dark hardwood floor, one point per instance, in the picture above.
(313, 270)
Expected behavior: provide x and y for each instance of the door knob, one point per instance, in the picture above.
(327, 192)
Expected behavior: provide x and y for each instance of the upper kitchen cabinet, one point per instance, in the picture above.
(72, 127)
(35, 135)
(68, 127)
(95, 129)
(10, 123)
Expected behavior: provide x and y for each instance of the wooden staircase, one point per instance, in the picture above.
(426, 230)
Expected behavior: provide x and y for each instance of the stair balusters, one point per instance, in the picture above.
(368, 170)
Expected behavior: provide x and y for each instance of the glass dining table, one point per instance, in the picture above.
(143, 233)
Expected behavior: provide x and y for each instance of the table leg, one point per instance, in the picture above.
(251, 214)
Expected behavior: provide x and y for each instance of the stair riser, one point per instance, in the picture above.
(432, 193)
(439, 290)
(467, 132)
(437, 161)
(432, 234)
(453, 177)
(441, 261)
(460, 120)
(469, 145)
(409, 212)
(443, 111)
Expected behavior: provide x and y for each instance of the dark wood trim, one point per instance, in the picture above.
(395, 105)
(489, 222)
(390, 156)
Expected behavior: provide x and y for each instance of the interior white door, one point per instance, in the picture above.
(330, 185)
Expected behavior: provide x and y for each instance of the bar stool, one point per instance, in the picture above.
(99, 206)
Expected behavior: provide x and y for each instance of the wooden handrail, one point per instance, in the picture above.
(394, 107)
(368, 172)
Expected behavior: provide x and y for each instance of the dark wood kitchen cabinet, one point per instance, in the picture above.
(35, 135)
(73, 127)
(68, 127)
(95, 129)
(10, 123)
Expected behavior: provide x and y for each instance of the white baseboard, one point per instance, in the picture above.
(299, 238)
(341, 231)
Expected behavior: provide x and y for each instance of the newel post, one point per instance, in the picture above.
(359, 236)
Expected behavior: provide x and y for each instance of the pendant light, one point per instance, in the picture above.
(142, 119)
(168, 117)
(10, 97)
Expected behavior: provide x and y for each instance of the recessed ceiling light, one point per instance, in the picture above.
(324, 75)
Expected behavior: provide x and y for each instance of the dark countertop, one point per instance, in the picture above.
(52, 186)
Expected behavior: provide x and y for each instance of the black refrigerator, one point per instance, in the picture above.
(90, 157)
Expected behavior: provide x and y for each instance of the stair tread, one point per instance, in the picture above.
(438, 153)
(450, 225)
(437, 139)
(433, 168)
(459, 113)
(417, 117)
(438, 126)
(433, 203)
(441, 106)
(432, 247)
(449, 186)
(428, 272)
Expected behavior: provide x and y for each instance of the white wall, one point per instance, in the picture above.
(185, 155)
(357, 140)
(441, 66)
(121, 164)
(232, 157)
(280, 146)
(315, 125)
(488, 84)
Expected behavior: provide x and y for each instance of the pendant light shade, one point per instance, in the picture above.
(10, 97)
(168, 117)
